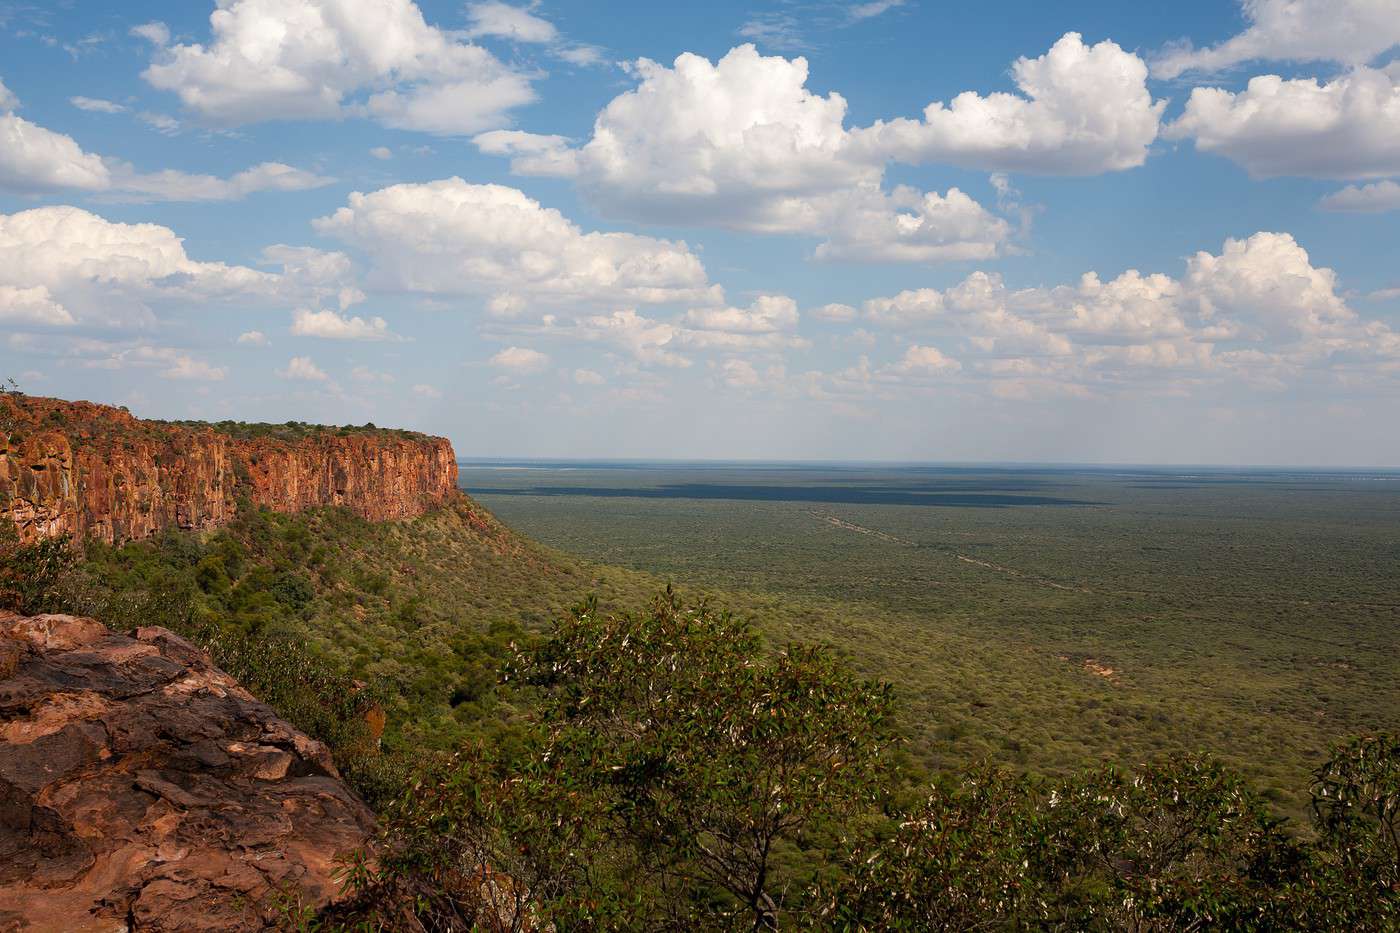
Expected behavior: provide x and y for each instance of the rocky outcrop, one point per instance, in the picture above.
(95, 471)
(142, 788)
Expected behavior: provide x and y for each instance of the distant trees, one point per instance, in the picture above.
(1175, 846)
(8, 387)
(1178, 845)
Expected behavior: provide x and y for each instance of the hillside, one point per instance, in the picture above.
(424, 609)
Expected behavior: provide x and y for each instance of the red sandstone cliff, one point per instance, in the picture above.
(95, 471)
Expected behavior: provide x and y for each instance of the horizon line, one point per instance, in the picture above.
(1045, 464)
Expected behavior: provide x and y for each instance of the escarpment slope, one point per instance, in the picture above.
(96, 471)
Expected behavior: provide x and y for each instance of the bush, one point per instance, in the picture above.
(30, 574)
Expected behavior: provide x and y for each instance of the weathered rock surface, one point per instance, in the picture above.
(142, 788)
(92, 470)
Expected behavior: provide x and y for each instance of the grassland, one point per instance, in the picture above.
(1041, 618)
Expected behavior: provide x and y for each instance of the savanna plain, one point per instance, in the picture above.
(1034, 617)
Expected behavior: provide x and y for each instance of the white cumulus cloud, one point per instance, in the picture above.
(635, 336)
(767, 314)
(531, 153)
(766, 324)
(493, 18)
(323, 59)
(167, 362)
(907, 226)
(1345, 128)
(453, 238)
(181, 186)
(331, 326)
(187, 367)
(1268, 286)
(34, 159)
(520, 360)
(924, 361)
(33, 305)
(67, 265)
(302, 369)
(587, 377)
(742, 143)
(1258, 311)
(1082, 110)
(317, 274)
(1352, 32)
(108, 274)
(834, 312)
(1375, 198)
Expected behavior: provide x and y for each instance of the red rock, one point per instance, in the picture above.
(92, 470)
(143, 788)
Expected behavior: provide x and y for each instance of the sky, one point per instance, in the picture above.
(1084, 232)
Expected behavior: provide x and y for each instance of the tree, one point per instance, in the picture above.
(672, 770)
(706, 752)
(960, 859)
(1355, 873)
(1178, 844)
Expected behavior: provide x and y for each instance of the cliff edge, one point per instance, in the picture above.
(143, 788)
(96, 471)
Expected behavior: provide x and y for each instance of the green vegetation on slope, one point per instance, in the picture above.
(423, 611)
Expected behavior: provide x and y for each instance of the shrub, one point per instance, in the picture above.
(30, 573)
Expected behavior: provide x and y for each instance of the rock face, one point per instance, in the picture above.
(91, 470)
(142, 788)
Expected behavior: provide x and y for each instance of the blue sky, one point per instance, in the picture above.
(1088, 232)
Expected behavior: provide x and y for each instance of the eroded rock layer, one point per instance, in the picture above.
(142, 788)
(92, 470)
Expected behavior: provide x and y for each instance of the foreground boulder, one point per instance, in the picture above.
(142, 788)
